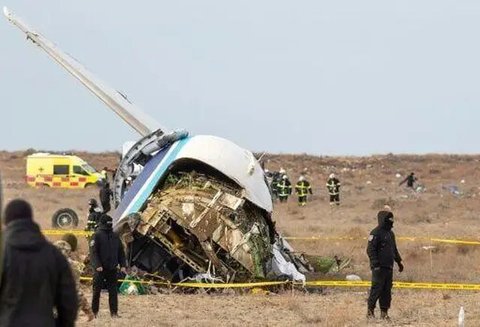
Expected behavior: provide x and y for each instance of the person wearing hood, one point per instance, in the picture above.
(36, 279)
(382, 252)
(106, 254)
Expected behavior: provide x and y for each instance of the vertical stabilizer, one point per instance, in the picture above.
(136, 118)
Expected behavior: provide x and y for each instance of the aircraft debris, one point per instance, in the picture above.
(187, 206)
(353, 277)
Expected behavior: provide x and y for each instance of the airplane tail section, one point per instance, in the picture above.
(136, 118)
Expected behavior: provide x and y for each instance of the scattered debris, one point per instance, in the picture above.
(131, 286)
(330, 265)
(353, 278)
(452, 189)
(420, 188)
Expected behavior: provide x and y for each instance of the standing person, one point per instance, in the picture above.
(67, 245)
(284, 188)
(106, 195)
(410, 180)
(106, 252)
(104, 174)
(302, 189)
(36, 277)
(333, 187)
(382, 252)
(276, 178)
(94, 214)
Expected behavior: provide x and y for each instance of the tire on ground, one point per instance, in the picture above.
(65, 218)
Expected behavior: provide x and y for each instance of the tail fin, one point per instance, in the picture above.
(136, 118)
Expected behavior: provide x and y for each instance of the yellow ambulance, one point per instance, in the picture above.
(62, 171)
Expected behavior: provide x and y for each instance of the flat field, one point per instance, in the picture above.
(368, 184)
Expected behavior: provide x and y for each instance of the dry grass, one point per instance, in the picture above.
(435, 213)
(335, 309)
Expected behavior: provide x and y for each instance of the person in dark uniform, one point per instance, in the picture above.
(106, 195)
(382, 252)
(302, 189)
(276, 178)
(107, 254)
(410, 180)
(333, 187)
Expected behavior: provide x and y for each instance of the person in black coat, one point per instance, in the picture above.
(106, 196)
(36, 278)
(410, 180)
(106, 254)
(382, 252)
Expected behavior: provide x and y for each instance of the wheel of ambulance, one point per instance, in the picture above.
(65, 219)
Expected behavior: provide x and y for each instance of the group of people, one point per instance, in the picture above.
(37, 286)
(282, 188)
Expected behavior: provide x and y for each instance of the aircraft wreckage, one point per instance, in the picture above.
(199, 206)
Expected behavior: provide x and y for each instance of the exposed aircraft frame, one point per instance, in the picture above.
(200, 199)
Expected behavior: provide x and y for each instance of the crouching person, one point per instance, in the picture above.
(67, 245)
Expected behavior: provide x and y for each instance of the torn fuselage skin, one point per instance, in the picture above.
(197, 221)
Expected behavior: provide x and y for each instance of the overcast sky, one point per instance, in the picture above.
(322, 77)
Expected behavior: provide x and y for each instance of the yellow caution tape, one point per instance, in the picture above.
(321, 283)
(59, 232)
(405, 285)
(202, 285)
(403, 238)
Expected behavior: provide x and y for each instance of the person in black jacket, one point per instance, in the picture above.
(105, 196)
(106, 254)
(410, 180)
(382, 252)
(36, 278)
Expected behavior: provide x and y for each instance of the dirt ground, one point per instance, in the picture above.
(367, 185)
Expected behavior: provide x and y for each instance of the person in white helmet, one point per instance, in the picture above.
(303, 188)
(333, 187)
(284, 189)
